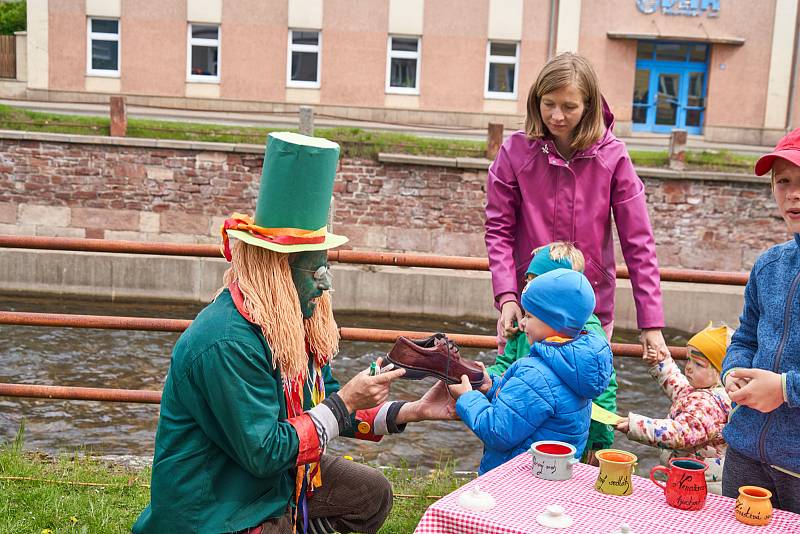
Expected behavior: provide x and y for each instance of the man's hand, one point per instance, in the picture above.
(653, 340)
(364, 391)
(763, 390)
(436, 404)
(623, 425)
(459, 389)
(510, 315)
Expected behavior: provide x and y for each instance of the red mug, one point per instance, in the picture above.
(686, 483)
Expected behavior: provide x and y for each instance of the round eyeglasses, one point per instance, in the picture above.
(322, 274)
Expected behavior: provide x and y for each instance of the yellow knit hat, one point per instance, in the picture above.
(712, 343)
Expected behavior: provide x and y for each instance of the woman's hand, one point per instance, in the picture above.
(435, 405)
(459, 389)
(652, 338)
(364, 391)
(623, 425)
(510, 317)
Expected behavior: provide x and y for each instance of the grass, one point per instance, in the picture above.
(355, 142)
(706, 160)
(48, 500)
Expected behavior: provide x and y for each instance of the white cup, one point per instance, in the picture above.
(552, 460)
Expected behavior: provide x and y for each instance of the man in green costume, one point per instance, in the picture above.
(250, 402)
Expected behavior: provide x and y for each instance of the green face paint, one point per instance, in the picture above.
(311, 277)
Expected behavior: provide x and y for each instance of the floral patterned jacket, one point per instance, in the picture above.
(694, 425)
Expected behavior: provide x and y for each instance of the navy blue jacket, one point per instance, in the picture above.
(768, 337)
(546, 396)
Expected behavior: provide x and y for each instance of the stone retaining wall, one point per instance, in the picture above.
(82, 186)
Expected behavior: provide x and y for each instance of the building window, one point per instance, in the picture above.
(103, 47)
(402, 65)
(501, 70)
(203, 53)
(302, 67)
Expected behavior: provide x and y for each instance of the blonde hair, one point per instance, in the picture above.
(560, 250)
(566, 69)
(271, 301)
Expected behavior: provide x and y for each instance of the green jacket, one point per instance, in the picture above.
(600, 436)
(224, 454)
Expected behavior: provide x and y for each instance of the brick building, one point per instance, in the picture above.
(723, 69)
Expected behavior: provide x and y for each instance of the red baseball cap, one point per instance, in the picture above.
(788, 148)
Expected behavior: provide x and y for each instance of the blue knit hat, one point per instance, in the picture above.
(542, 263)
(562, 299)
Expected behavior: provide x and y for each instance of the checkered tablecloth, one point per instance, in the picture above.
(520, 497)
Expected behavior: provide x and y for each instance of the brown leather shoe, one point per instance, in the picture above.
(435, 356)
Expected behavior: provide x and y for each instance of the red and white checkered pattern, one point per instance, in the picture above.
(520, 497)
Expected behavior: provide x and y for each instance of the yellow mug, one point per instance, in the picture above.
(616, 472)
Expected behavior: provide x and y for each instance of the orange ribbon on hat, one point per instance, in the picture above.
(280, 236)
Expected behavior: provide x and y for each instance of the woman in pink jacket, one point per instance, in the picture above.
(561, 180)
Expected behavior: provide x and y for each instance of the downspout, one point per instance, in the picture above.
(551, 30)
(793, 74)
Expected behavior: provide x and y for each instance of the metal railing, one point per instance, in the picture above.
(179, 325)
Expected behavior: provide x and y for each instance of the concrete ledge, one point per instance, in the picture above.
(711, 176)
(361, 288)
(435, 161)
(46, 137)
(383, 157)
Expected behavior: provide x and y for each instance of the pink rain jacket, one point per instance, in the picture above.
(534, 197)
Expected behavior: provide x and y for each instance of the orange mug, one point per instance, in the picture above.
(686, 483)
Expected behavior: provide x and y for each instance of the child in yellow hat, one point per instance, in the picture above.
(700, 405)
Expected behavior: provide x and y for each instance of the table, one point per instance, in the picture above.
(520, 497)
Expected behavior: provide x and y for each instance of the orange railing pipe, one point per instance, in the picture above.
(80, 393)
(341, 256)
(347, 333)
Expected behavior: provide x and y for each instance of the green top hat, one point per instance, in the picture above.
(294, 198)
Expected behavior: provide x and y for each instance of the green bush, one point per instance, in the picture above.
(12, 17)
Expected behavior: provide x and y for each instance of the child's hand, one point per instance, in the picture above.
(652, 356)
(457, 390)
(486, 385)
(734, 383)
(623, 425)
(763, 390)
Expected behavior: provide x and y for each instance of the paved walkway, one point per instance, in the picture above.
(654, 142)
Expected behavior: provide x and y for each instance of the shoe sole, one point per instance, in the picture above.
(414, 373)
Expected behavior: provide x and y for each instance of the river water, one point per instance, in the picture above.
(139, 360)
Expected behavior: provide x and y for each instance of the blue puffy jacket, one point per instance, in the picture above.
(768, 337)
(546, 396)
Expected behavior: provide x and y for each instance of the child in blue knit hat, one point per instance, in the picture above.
(548, 395)
(563, 255)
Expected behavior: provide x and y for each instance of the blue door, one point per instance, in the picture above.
(670, 87)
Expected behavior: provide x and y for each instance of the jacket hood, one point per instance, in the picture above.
(584, 363)
(609, 121)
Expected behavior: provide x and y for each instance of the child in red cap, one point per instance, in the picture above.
(761, 371)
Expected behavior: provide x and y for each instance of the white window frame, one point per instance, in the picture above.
(304, 48)
(98, 36)
(191, 41)
(403, 54)
(508, 60)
